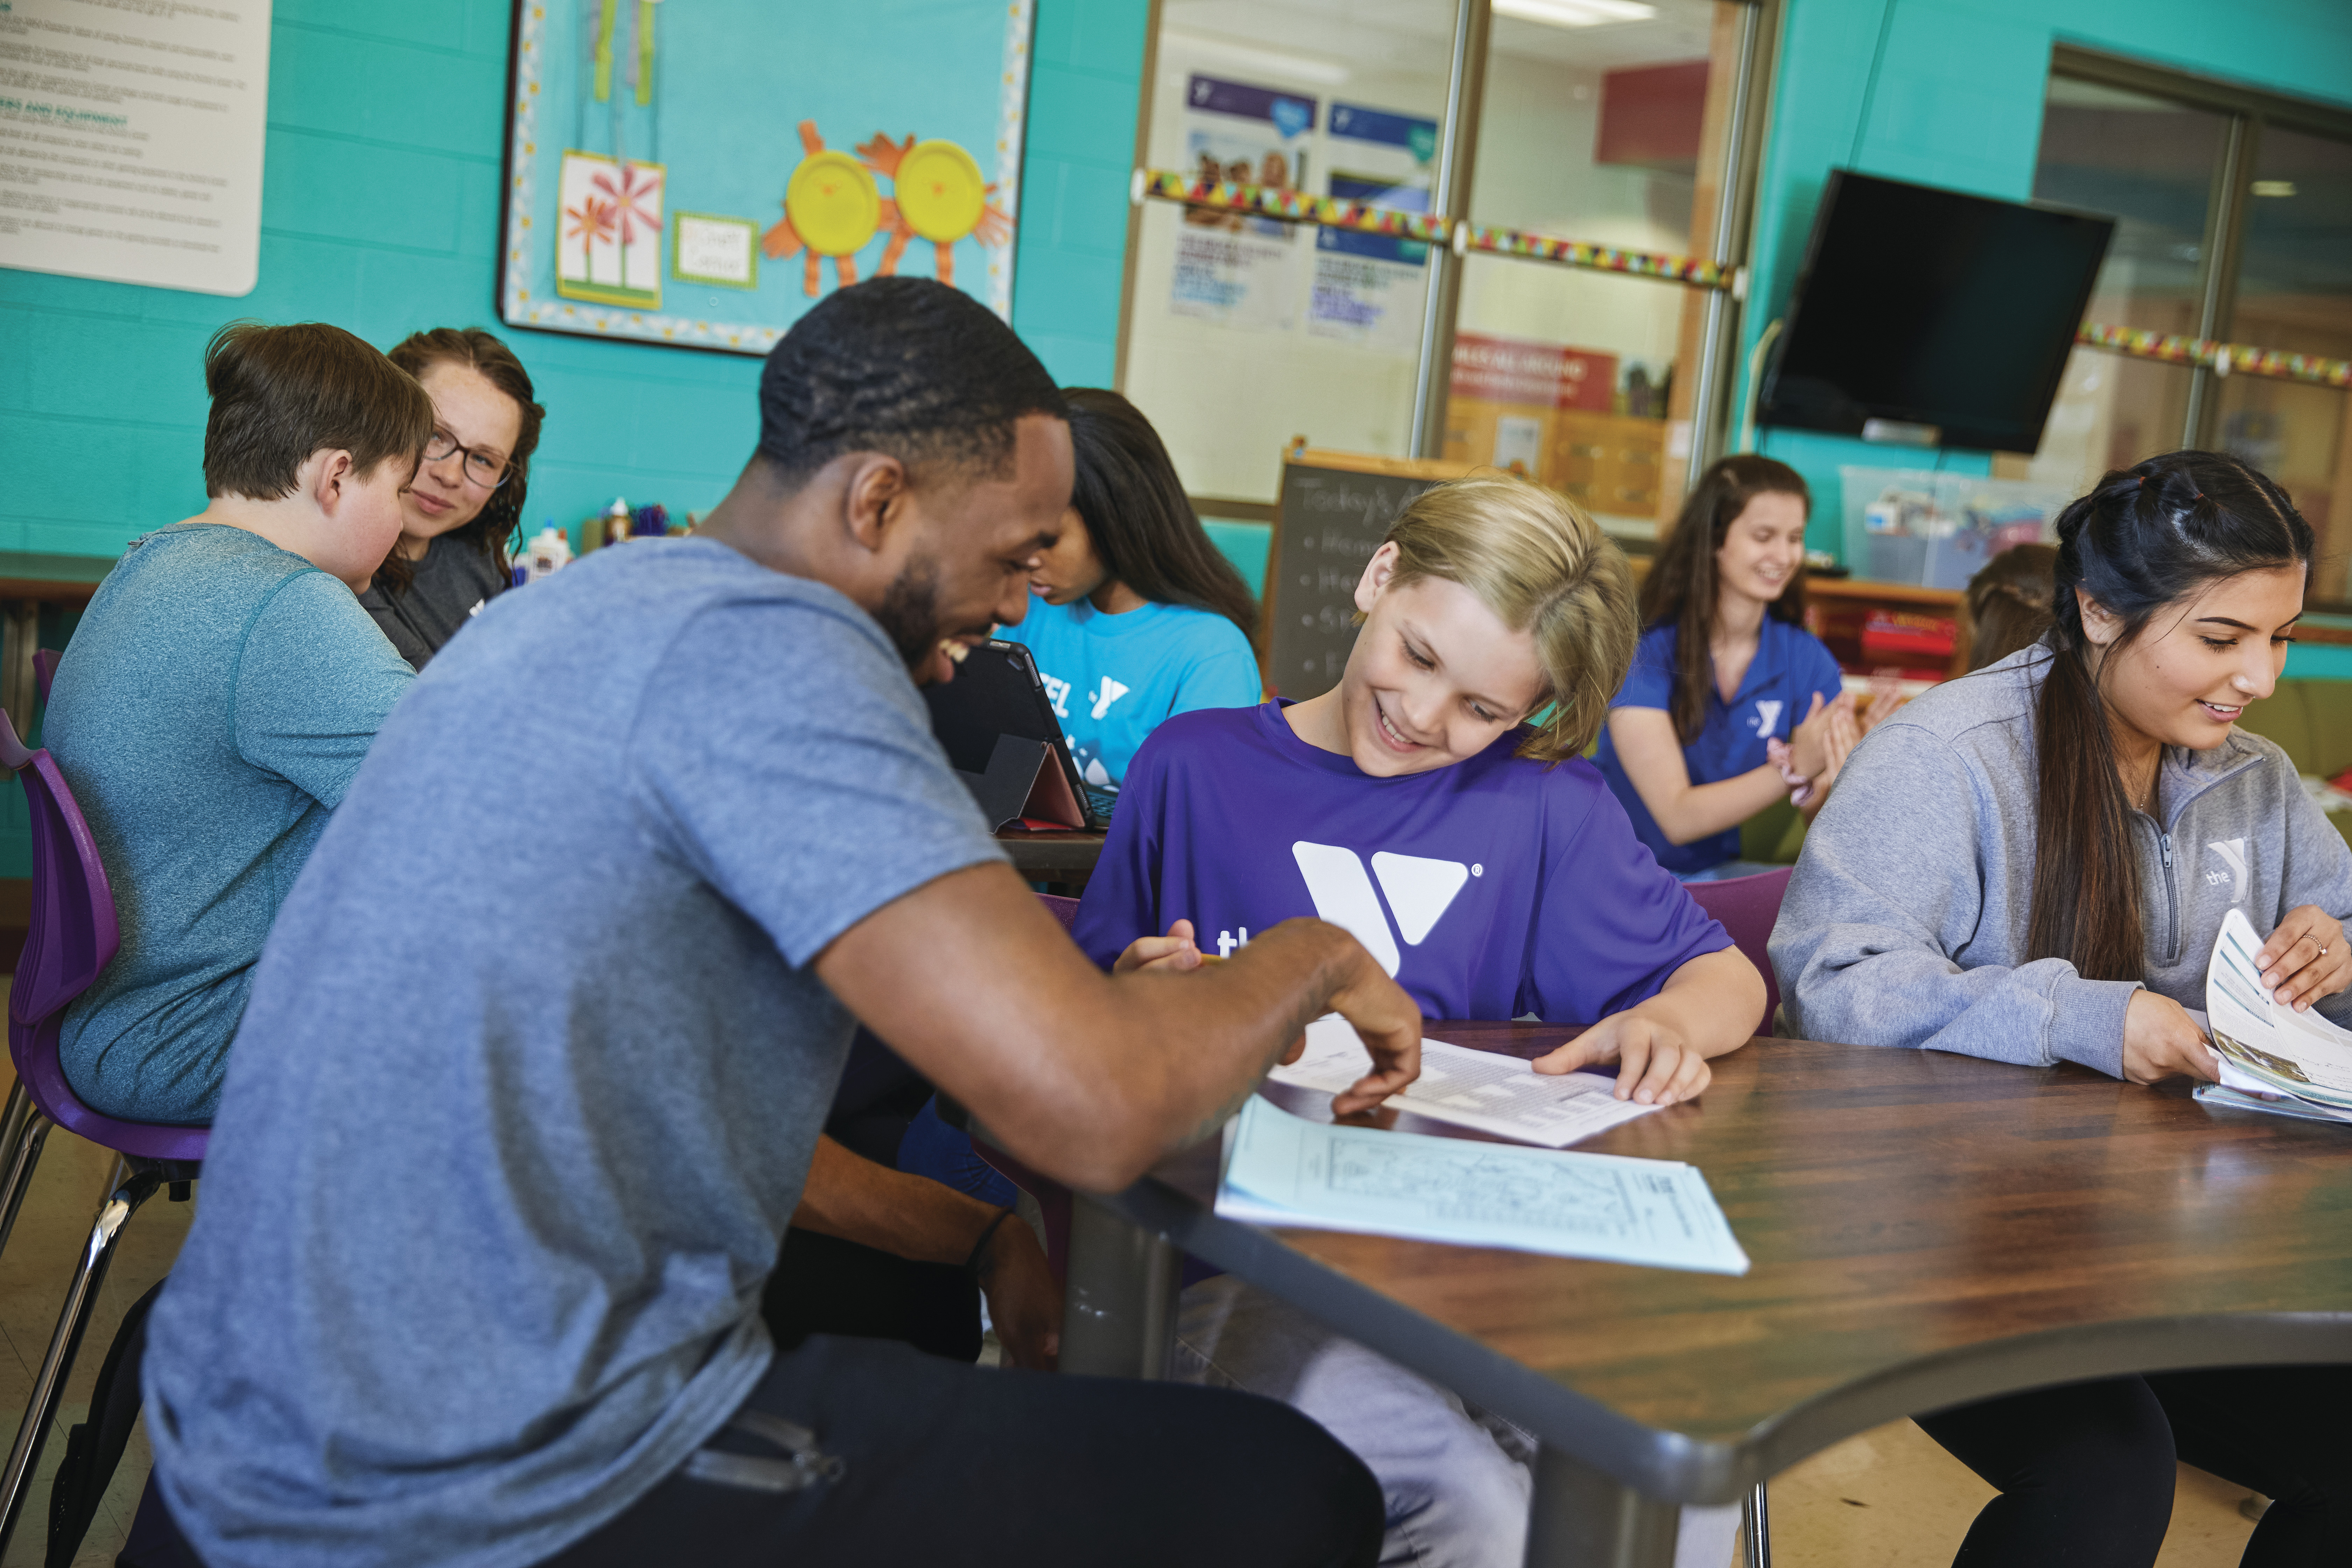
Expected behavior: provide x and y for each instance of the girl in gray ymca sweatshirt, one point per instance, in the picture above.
(1906, 920)
(2010, 861)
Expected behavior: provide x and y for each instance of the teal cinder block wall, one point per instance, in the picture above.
(1949, 92)
(379, 213)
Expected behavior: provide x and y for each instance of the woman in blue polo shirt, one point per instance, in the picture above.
(1135, 617)
(1725, 669)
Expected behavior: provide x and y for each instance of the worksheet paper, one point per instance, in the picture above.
(1478, 1090)
(2265, 1049)
(1281, 1169)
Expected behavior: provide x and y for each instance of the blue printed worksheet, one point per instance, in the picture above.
(1283, 1169)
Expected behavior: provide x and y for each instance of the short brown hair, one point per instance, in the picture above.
(280, 393)
(1542, 567)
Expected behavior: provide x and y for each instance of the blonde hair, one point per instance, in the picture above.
(1543, 567)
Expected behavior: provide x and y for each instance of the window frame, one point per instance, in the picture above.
(1713, 377)
(2249, 110)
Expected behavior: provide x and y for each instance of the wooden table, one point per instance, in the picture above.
(1066, 856)
(1926, 1230)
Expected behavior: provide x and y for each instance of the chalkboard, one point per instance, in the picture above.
(1335, 509)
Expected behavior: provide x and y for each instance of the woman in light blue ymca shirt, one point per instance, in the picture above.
(1134, 615)
(1725, 670)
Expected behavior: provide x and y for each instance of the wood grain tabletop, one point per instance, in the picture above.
(1914, 1219)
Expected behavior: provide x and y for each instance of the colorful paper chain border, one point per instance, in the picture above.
(1297, 206)
(1434, 228)
(2230, 359)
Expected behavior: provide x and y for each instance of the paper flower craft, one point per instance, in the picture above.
(625, 197)
(937, 195)
(832, 207)
(592, 225)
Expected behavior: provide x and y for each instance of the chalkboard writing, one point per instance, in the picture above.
(1331, 520)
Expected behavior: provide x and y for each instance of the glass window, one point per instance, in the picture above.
(1242, 332)
(2155, 159)
(2294, 293)
(1607, 121)
(2151, 164)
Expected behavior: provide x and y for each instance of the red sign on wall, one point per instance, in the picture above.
(1513, 370)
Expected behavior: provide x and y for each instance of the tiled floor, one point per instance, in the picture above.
(34, 1274)
(1889, 1499)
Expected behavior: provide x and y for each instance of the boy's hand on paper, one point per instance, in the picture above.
(1655, 1066)
(1389, 1023)
(2305, 958)
(1025, 1305)
(2161, 1041)
(1174, 951)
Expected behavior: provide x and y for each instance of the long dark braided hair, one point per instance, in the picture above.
(2148, 536)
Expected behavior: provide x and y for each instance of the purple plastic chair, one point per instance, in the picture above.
(1747, 907)
(45, 671)
(72, 937)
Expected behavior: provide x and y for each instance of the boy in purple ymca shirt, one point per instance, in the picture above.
(1485, 867)
(1493, 887)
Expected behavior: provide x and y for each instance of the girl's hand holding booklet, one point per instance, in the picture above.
(2273, 1058)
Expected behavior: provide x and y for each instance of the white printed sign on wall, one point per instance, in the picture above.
(132, 136)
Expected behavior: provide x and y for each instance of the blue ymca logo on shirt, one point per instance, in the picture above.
(1789, 666)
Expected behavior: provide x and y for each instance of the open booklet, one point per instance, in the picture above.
(1281, 1169)
(2273, 1058)
(1477, 1090)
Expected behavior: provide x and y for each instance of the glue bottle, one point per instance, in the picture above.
(548, 552)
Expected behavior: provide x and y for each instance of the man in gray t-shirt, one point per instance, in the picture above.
(538, 1053)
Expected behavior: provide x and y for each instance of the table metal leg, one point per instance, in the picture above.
(1583, 1518)
(1756, 1529)
(1118, 1313)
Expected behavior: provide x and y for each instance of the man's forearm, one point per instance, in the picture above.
(852, 1197)
(1248, 1012)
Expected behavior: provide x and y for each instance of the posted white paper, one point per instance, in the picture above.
(132, 135)
(2266, 1049)
(1281, 1169)
(1478, 1090)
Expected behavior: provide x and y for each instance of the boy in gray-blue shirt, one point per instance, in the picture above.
(220, 694)
(532, 1081)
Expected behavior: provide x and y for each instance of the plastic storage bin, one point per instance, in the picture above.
(1937, 529)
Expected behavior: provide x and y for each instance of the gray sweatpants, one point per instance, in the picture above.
(1456, 1479)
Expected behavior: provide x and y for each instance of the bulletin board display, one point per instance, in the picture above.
(701, 172)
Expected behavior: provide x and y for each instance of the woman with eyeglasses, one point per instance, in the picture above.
(468, 498)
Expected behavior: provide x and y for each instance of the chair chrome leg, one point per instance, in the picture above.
(1756, 1529)
(26, 1130)
(132, 1188)
(12, 1116)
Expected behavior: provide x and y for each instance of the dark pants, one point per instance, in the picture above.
(2085, 1471)
(823, 1285)
(923, 1460)
(944, 1463)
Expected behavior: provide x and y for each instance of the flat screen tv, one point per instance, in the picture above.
(1951, 314)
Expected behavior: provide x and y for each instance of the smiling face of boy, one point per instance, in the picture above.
(1434, 678)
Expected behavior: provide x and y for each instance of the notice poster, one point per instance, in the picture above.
(131, 141)
(1232, 269)
(1369, 287)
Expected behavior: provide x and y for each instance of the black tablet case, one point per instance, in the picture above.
(998, 729)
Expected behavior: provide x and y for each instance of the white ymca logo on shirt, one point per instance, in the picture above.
(1420, 890)
(1111, 693)
(2232, 854)
(1768, 714)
